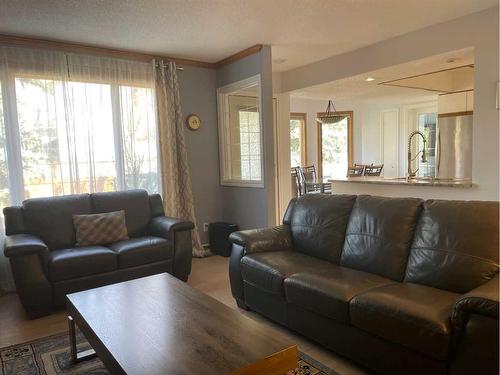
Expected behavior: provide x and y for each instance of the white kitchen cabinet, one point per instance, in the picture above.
(456, 102)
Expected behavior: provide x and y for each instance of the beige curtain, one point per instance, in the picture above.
(176, 179)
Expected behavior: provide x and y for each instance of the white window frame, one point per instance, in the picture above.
(223, 127)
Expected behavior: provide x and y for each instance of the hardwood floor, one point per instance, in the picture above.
(209, 275)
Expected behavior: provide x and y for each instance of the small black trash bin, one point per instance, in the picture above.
(218, 234)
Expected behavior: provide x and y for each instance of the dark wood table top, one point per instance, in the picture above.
(160, 325)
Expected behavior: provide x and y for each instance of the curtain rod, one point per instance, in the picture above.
(180, 68)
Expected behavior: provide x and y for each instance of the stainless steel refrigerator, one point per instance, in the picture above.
(454, 147)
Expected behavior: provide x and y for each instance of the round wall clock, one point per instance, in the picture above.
(193, 122)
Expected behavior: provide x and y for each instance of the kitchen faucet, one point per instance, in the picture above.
(412, 174)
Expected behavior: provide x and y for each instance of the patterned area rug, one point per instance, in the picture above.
(50, 356)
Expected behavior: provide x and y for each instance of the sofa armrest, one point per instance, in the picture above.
(253, 241)
(483, 300)
(23, 244)
(179, 232)
(475, 337)
(260, 240)
(164, 226)
(28, 257)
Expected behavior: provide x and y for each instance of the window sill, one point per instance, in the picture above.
(244, 184)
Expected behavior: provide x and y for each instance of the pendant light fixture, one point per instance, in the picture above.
(330, 116)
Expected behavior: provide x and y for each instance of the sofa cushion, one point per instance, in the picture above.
(329, 293)
(268, 270)
(100, 229)
(135, 203)
(414, 316)
(65, 264)
(379, 235)
(318, 224)
(142, 250)
(51, 219)
(455, 246)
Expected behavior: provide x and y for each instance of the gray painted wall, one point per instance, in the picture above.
(252, 207)
(247, 207)
(198, 95)
(239, 70)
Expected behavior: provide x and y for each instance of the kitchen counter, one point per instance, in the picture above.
(404, 181)
(400, 187)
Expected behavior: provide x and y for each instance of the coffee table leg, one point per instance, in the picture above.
(75, 356)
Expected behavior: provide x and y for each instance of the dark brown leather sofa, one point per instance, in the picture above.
(46, 265)
(399, 285)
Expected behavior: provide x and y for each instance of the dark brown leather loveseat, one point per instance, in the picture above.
(46, 265)
(399, 285)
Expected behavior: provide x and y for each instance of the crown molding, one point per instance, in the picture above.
(70, 47)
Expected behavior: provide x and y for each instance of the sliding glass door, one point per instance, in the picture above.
(4, 171)
(68, 137)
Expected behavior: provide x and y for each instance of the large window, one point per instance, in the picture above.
(298, 150)
(139, 144)
(335, 147)
(248, 124)
(240, 134)
(75, 135)
(61, 152)
(4, 181)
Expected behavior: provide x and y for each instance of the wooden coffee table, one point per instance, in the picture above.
(160, 325)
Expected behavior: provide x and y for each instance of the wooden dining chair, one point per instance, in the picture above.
(308, 173)
(296, 183)
(374, 169)
(361, 166)
(355, 171)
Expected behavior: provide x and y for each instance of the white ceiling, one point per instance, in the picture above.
(445, 81)
(300, 32)
(357, 88)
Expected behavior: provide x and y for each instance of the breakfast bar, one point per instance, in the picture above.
(401, 187)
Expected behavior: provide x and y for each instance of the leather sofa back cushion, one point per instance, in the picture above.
(156, 205)
(379, 235)
(14, 220)
(100, 229)
(135, 203)
(318, 224)
(51, 219)
(455, 246)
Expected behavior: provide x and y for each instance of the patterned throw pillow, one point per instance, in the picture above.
(99, 229)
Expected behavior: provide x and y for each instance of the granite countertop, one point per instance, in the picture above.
(403, 181)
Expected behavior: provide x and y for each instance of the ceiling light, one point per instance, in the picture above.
(370, 79)
(330, 116)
